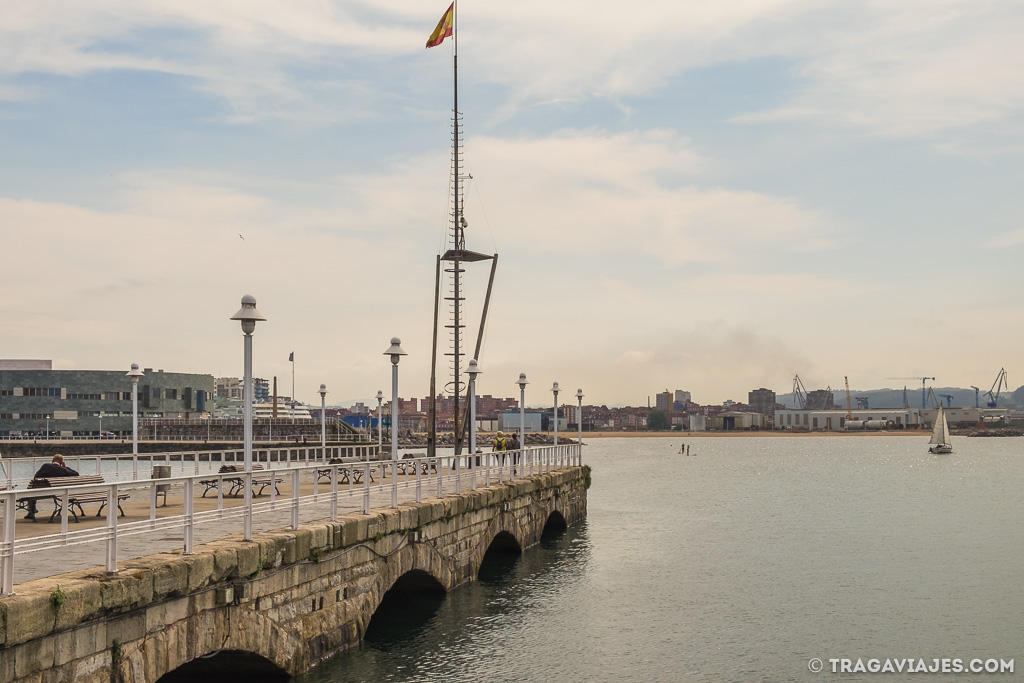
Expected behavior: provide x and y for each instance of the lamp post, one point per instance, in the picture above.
(101, 424)
(522, 411)
(579, 419)
(135, 375)
(248, 316)
(323, 420)
(47, 426)
(473, 370)
(380, 422)
(554, 390)
(396, 353)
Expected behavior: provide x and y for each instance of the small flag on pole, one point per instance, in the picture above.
(444, 28)
(291, 356)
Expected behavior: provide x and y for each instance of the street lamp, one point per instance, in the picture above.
(248, 316)
(380, 423)
(522, 410)
(135, 375)
(554, 390)
(47, 426)
(473, 370)
(579, 418)
(323, 420)
(101, 424)
(396, 353)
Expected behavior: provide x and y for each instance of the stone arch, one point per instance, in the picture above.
(226, 665)
(554, 524)
(504, 529)
(230, 628)
(406, 605)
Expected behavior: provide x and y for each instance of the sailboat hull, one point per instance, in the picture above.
(941, 448)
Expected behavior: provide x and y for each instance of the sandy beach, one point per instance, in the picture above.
(742, 434)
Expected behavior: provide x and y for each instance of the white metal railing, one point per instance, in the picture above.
(413, 476)
(17, 472)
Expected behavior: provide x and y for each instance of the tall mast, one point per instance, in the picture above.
(458, 236)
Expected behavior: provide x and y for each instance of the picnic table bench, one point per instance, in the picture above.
(75, 500)
(236, 484)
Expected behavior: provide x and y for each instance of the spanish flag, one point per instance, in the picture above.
(444, 28)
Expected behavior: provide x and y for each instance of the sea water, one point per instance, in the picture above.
(744, 561)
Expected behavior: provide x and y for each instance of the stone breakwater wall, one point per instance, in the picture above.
(293, 598)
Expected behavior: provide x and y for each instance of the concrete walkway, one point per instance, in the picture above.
(134, 543)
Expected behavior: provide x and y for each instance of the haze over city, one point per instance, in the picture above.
(682, 195)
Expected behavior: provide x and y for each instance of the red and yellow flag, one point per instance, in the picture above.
(444, 28)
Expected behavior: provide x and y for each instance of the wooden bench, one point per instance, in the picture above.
(410, 467)
(75, 500)
(236, 484)
(353, 472)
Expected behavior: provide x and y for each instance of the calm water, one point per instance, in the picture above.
(739, 564)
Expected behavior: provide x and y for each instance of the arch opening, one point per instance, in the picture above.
(228, 666)
(405, 610)
(501, 556)
(554, 527)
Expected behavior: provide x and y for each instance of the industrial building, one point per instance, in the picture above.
(892, 418)
(36, 399)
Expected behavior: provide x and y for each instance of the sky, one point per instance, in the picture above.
(712, 197)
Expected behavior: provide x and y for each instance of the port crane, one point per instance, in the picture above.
(976, 390)
(799, 393)
(924, 393)
(997, 386)
(949, 399)
(862, 402)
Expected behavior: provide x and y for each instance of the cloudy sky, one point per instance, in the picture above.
(684, 195)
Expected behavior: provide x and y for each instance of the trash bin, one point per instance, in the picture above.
(162, 472)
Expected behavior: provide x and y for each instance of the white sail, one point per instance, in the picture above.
(940, 432)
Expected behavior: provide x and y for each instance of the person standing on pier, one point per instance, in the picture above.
(54, 468)
(500, 445)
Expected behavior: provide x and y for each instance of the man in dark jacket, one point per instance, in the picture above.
(50, 470)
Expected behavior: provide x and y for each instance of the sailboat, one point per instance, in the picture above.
(940, 440)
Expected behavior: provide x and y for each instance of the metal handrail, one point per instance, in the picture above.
(411, 475)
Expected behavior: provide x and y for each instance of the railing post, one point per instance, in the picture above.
(458, 473)
(394, 483)
(439, 473)
(111, 529)
(247, 512)
(419, 495)
(334, 493)
(295, 498)
(366, 486)
(64, 514)
(189, 514)
(7, 557)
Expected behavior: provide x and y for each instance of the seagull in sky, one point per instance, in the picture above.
(240, 236)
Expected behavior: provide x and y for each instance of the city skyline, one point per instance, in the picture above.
(729, 196)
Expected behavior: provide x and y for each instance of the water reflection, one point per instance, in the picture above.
(483, 630)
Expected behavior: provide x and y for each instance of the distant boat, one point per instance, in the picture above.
(940, 440)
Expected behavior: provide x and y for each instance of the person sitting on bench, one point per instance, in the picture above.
(54, 468)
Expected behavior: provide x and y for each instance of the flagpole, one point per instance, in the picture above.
(458, 226)
(293, 385)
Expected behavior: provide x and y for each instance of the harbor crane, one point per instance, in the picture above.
(862, 402)
(924, 393)
(933, 400)
(976, 403)
(949, 399)
(799, 393)
(997, 386)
